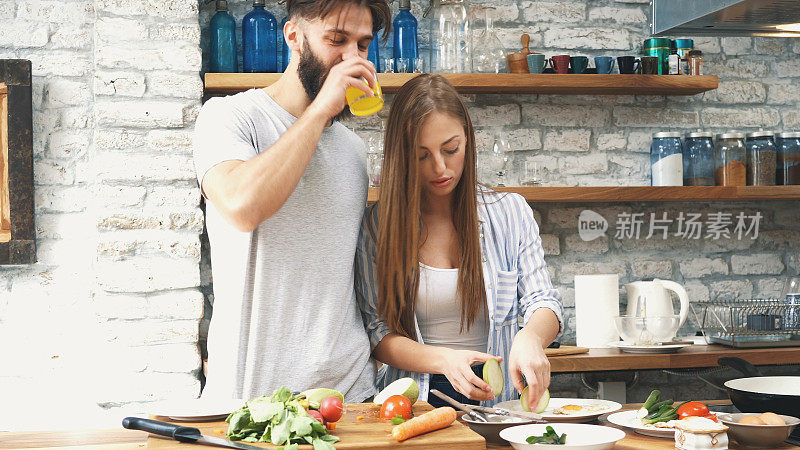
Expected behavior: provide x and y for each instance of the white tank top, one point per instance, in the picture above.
(439, 312)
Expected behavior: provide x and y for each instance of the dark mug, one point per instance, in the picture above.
(560, 63)
(650, 65)
(579, 64)
(628, 64)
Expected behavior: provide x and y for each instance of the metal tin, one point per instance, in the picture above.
(684, 44)
(660, 48)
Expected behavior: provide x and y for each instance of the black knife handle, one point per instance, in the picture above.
(177, 432)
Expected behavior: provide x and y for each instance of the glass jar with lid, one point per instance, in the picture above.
(731, 159)
(666, 159)
(762, 158)
(788, 158)
(698, 159)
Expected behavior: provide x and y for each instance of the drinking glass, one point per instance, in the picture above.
(403, 65)
(531, 174)
(388, 65)
(419, 65)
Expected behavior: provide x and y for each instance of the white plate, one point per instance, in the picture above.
(634, 348)
(579, 436)
(555, 403)
(628, 419)
(197, 410)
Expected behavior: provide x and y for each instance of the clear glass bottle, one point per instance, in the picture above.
(222, 30)
(405, 36)
(451, 37)
(260, 40)
(788, 158)
(762, 158)
(490, 55)
(698, 159)
(731, 159)
(791, 295)
(666, 159)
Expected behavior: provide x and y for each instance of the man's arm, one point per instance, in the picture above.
(249, 192)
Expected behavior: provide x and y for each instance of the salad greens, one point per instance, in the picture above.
(654, 410)
(281, 420)
(549, 437)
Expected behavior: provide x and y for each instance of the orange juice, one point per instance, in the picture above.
(363, 105)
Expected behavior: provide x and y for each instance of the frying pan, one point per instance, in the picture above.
(757, 393)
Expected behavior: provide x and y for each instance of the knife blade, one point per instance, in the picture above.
(505, 412)
(181, 433)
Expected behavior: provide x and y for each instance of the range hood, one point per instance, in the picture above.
(725, 18)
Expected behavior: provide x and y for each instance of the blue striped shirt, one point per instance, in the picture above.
(514, 272)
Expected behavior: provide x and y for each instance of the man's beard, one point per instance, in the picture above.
(313, 73)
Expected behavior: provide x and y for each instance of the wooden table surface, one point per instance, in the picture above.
(601, 359)
(121, 439)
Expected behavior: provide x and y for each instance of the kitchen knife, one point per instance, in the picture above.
(505, 412)
(180, 433)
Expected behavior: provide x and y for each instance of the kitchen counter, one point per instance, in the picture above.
(603, 359)
(121, 439)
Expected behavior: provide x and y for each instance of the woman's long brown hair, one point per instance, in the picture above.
(399, 207)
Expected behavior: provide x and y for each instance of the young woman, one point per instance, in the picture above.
(450, 273)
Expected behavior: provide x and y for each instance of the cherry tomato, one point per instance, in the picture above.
(331, 409)
(692, 409)
(315, 414)
(396, 405)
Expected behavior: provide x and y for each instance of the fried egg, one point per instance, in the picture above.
(572, 410)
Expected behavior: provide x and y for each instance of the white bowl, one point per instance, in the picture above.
(579, 436)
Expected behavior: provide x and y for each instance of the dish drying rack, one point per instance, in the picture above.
(749, 323)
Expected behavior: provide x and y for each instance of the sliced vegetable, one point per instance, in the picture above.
(424, 423)
(493, 375)
(541, 406)
(404, 386)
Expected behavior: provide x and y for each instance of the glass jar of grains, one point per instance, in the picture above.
(731, 159)
(762, 158)
(698, 159)
(788, 158)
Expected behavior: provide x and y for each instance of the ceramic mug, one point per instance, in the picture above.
(560, 63)
(650, 65)
(604, 64)
(628, 64)
(536, 62)
(579, 64)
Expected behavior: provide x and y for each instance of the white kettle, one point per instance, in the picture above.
(651, 298)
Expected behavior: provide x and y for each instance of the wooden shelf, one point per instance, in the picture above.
(612, 194)
(479, 83)
(601, 359)
(5, 236)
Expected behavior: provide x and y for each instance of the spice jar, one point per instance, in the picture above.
(666, 160)
(788, 158)
(695, 62)
(762, 158)
(698, 159)
(731, 159)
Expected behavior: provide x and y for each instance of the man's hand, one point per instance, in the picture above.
(527, 358)
(351, 72)
(456, 366)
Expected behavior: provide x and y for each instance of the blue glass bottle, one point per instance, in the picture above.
(286, 52)
(374, 53)
(223, 40)
(405, 35)
(259, 40)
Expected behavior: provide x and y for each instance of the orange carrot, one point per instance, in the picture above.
(430, 421)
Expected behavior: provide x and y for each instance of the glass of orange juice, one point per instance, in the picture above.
(363, 105)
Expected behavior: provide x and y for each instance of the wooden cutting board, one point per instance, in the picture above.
(565, 350)
(369, 433)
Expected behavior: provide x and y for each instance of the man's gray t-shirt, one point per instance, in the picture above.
(285, 312)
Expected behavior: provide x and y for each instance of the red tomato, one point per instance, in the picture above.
(692, 409)
(331, 409)
(712, 417)
(394, 406)
(315, 414)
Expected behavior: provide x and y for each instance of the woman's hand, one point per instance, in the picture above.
(456, 366)
(527, 358)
